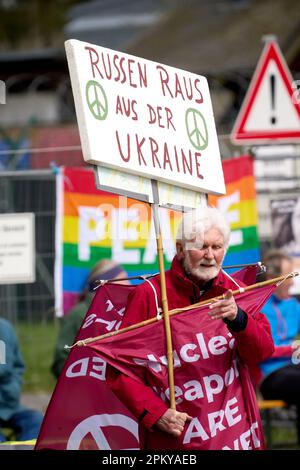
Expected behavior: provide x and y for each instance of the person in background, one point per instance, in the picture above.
(104, 269)
(24, 423)
(280, 375)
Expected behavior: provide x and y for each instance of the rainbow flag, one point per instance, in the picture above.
(92, 225)
(240, 206)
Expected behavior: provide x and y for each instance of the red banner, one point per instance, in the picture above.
(84, 414)
(222, 403)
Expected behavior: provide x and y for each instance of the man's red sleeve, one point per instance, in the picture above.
(140, 399)
(255, 343)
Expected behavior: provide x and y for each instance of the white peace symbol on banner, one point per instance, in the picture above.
(93, 425)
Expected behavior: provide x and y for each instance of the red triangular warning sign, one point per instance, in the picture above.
(271, 108)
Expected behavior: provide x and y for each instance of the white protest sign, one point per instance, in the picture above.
(137, 187)
(144, 118)
(17, 248)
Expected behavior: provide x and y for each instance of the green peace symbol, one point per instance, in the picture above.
(96, 100)
(196, 128)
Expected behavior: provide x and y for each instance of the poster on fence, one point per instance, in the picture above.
(285, 215)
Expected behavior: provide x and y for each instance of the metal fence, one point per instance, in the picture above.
(35, 191)
(31, 191)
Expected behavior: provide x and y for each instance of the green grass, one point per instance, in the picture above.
(37, 341)
(284, 438)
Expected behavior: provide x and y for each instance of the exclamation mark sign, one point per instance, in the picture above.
(272, 87)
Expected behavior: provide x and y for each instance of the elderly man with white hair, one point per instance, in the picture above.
(196, 274)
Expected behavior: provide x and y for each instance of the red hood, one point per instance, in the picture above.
(217, 286)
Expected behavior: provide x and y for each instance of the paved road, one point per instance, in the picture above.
(37, 401)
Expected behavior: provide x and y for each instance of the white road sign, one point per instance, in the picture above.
(271, 109)
(17, 248)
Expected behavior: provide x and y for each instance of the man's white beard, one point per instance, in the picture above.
(199, 272)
